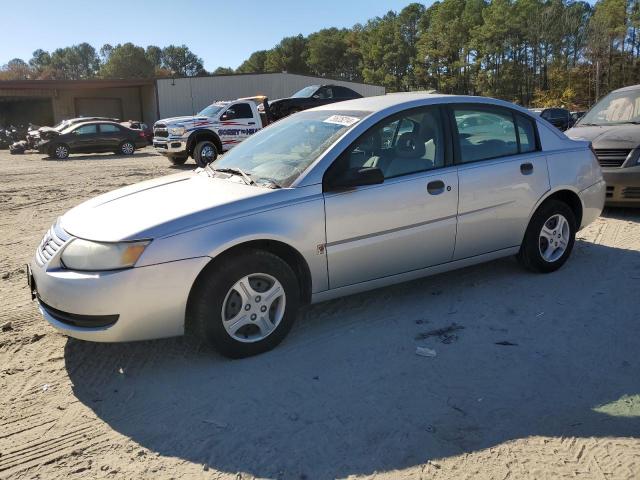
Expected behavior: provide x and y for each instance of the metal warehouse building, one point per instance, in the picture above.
(46, 102)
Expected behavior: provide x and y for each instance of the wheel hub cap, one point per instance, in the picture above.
(554, 238)
(253, 307)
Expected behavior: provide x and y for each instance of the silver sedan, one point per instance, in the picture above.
(328, 202)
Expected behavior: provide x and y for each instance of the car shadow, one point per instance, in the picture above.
(525, 354)
(100, 156)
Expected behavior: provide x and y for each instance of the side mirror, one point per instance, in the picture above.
(316, 96)
(357, 177)
(224, 117)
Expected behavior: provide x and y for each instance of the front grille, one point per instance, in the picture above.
(631, 192)
(53, 240)
(609, 191)
(612, 157)
(160, 130)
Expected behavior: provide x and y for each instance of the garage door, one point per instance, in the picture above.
(99, 107)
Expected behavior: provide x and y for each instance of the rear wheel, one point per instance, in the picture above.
(59, 151)
(245, 305)
(126, 148)
(205, 152)
(549, 238)
(177, 160)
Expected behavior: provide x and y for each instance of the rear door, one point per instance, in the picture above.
(406, 223)
(110, 137)
(502, 174)
(237, 123)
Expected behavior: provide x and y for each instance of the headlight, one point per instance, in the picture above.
(177, 131)
(85, 255)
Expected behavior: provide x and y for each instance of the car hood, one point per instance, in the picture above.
(163, 206)
(610, 136)
(185, 120)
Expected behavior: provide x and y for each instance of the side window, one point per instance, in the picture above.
(239, 110)
(485, 133)
(107, 128)
(342, 92)
(527, 134)
(86, 130)
(325, 93)
(408, 143)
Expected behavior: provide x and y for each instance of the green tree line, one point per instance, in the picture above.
(533, 52)
(82, 62)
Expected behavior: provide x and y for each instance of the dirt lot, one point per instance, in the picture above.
(543, 381)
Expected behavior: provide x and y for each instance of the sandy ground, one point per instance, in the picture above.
(345, 395)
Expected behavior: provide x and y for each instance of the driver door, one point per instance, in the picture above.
(406, 223)
(237, 123)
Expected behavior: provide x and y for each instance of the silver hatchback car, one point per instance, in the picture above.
(330, 201)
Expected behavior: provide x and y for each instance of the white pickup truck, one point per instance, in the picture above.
(214, 130)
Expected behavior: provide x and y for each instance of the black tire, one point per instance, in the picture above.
(205, 152)
(126, 148)
(59, 151)
(530, 255)
(176, 160)
(204, 313)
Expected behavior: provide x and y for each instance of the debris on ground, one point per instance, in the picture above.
(506, 343)
(425, 352)
(440, 332)
(6, 327)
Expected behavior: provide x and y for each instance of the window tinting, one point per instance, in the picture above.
(325, 93)
(239, 110)
(342, 92)
(485, 133)
(86, 129)
(527, 134)
(402, 145)
(107, 128)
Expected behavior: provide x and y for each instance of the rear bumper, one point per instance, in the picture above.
(623, 186)
(592, 202)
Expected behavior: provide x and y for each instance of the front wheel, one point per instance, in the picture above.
(549, 238)
(177, 160)
(245, 304)
(204, 153)
(59, 152)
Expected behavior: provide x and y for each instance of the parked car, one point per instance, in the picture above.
(558, 117)
(309, 97)
(314, 207)
(91, 137)
(216, 129)
(613, 127)
(34, 135)
(136, 125)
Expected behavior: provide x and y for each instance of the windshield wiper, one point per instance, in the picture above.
(236, 171)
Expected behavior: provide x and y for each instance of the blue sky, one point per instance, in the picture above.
(221, 33)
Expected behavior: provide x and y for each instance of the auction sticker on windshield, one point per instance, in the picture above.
(342, 120)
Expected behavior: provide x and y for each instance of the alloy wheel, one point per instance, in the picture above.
(554, 238)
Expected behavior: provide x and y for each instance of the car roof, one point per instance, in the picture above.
(628, 88)
(413, 99)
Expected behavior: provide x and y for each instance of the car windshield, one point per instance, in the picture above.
(306, 92)
(282, 151)
(615, 108)
(211, 111)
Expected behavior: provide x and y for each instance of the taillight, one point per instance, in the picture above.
(141, 134)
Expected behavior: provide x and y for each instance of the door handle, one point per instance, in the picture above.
(526, 168)
(436, 187)
(252, 123)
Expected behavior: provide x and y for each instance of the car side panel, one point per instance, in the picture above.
(496, 199)
(299, 224)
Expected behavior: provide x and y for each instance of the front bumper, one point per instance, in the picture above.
(140, 303)
(169, 146)
(623, 186)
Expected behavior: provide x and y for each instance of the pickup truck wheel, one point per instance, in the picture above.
(246, 305)
(59, 151)
(205, 153)
(549, 238)
(177, 160)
